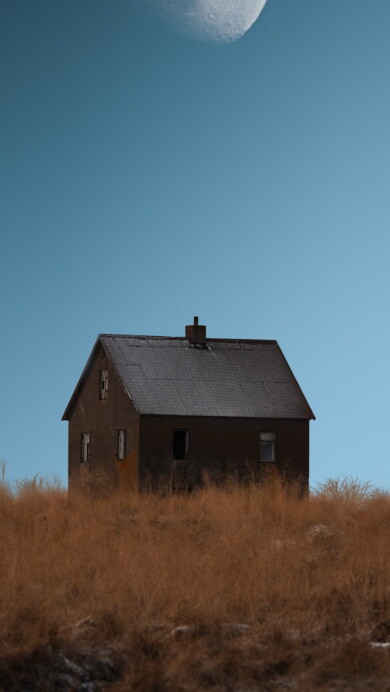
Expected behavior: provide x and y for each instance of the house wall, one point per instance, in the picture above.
(218, 445)
(102, 419)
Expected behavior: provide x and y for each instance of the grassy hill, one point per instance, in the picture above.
(234, 588)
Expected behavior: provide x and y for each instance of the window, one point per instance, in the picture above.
(180, 444)
(121, 444)
(85, 447)
(267, 446)
(103, 384)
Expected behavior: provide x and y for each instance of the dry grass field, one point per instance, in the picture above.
(240, 588)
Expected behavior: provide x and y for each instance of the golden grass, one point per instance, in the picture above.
(310, 578)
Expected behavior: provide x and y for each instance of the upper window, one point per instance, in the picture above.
(103, 384)
(180, 444)
(121, 444)
(85, 447)
(267, 446)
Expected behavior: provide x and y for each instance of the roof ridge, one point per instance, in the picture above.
(183, 338)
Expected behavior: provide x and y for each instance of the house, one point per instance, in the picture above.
(154, 409)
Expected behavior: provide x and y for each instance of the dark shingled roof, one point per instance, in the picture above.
(226, 378)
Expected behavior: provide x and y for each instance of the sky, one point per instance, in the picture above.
(146, 178)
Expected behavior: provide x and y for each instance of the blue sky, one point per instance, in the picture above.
(146, 178)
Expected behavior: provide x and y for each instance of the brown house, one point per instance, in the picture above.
(152, 409)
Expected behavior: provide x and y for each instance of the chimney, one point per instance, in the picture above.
(196, 333)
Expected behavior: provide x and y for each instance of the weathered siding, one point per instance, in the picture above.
(102, 418)
(218, 445)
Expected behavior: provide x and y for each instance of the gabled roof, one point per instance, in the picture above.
(230, 378)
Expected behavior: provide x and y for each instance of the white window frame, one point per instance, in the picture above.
(85, 451)
(103, 384)
(265, 439)
(121, 444)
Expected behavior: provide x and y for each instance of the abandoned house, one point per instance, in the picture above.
(151, 409)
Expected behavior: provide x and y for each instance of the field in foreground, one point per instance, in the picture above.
(235, 588)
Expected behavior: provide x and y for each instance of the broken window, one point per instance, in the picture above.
(85, 447)
(267, 446)
(103, 384)
(180, 444)
(121, 444)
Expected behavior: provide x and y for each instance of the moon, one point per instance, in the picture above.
(217, 21)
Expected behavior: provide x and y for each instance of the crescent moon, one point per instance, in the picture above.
(217, 21)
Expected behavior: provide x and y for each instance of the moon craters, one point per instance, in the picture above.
(218, 21)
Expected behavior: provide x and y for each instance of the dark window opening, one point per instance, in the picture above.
(85, 447)
(268, 446)
(103, 384)
(180, 444)
(121, 444)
